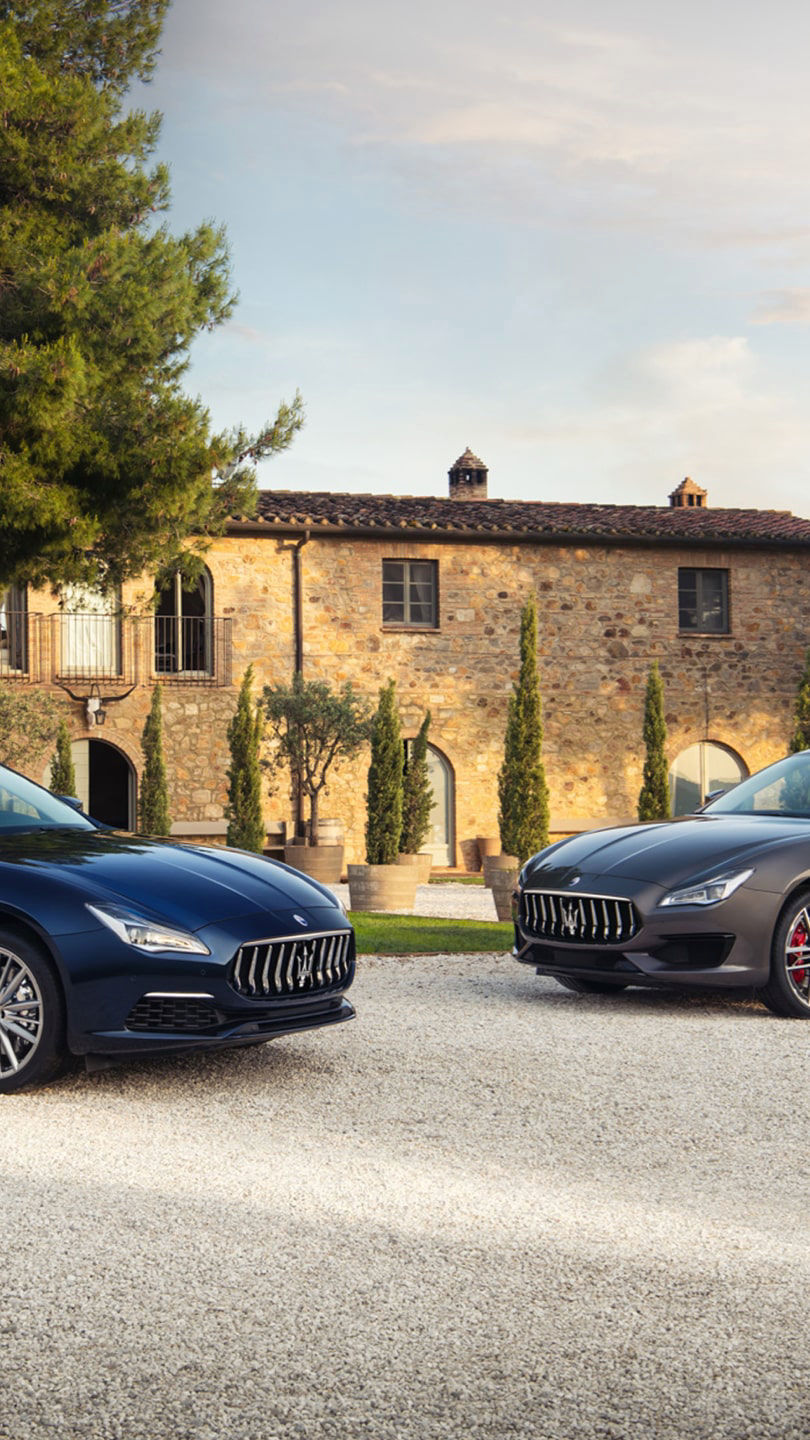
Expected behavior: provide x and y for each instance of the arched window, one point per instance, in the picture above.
(14, 630)
(183, 627)
(699, 771)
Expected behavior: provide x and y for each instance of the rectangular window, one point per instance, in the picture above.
(703, 601)
(410, 593)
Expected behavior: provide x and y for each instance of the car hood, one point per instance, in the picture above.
(665, 854)
(190, 885)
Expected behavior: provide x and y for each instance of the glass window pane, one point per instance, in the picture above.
(687, 600)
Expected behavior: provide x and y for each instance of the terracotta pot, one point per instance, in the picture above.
(322, 862)
(487, 845)
(422, 863)
(502, 885)
(493, 863)
(383, 887)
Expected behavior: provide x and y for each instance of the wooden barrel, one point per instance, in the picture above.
(383, 887)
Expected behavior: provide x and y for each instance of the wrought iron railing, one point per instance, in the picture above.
(16, 627)
(192, 649)
(140, 650)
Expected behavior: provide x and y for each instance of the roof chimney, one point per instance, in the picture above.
(688, 494)
(468, 478)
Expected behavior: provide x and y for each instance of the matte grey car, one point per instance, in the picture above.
(716, 899)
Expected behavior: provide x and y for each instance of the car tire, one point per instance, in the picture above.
(32, 1015)
(589, 987)
(787, 991)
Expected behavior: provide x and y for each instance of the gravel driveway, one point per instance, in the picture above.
(487, 1208)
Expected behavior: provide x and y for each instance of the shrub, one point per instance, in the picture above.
(63, 775)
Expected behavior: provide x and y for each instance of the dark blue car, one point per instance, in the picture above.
(112, 945)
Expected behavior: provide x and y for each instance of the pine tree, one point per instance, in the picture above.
(63, 775)
(246, 828)
(417, 794)
(523, 814)
(153, 802)
(106, 465)
(654, 800)
(384, 801)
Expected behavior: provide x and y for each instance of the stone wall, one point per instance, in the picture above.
(605, 613)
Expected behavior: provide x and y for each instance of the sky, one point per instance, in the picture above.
(574, 237)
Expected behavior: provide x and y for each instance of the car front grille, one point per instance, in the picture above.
(175, 1014)
(293, 964)
(578, 919)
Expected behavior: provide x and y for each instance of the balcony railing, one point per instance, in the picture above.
(15, 644)
(78, 648)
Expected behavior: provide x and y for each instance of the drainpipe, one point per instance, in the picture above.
(299, 603)
(298, 621)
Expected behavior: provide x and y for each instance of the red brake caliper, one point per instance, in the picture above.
(798, 941)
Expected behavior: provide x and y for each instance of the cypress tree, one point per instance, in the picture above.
(384, 825)
(654, 801)
(63, 775)
(417, 794)
(246, 828)
(800, 740)
(523, 813)
(153, 802)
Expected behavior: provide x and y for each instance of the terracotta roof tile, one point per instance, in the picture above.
(279, 509)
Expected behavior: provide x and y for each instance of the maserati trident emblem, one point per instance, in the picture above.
(569, 914)
(300, 918)
(305, 962)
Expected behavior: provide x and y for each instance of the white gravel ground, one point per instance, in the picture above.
(486, 1208)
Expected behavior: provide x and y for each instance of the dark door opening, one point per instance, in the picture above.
(110, 797)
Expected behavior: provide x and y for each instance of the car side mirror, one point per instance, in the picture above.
(71, 801)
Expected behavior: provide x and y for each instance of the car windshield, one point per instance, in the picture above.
(26, 806)
(780, 789)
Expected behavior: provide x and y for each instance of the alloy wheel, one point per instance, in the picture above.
(21, 1014)
(797, 955)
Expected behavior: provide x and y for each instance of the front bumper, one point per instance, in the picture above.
(709, 946)
(124, 1002)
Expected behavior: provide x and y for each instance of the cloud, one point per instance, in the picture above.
(701, 407)
(784, 307)
(690, 127)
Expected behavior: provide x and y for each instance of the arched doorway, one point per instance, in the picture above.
(699, 771)
(105, 782)
(441, 841)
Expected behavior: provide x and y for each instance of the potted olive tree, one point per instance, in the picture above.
(314, 727)
(382, 883)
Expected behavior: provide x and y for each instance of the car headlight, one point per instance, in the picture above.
(708, 892)
(145, 934)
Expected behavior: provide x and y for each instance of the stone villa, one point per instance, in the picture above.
(429, 592)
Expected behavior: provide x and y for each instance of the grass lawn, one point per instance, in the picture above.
(382, 934)
(456, 880)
